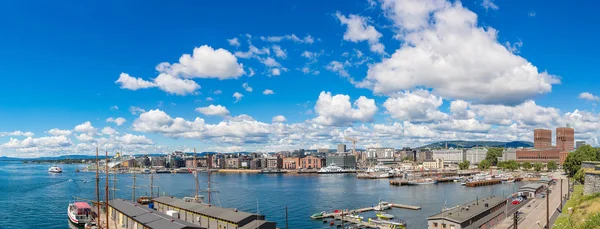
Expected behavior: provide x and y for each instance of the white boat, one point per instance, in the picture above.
(380, 168)
(79, 213)
(423, 181)
(355, 216)
(382, 215)
(55, 169)
(332, 168)
(381, 206)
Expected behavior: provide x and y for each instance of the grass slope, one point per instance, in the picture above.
(586, 211)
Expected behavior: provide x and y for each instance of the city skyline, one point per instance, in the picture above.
(271, 76)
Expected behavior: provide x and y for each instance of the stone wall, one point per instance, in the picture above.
(589, 164)
(592, 182)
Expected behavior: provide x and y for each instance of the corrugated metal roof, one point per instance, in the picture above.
(148, 217)
(460, 214)
(225, 214)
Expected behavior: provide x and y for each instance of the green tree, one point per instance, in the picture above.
(552, 166)
(484, 164)
(464, 165)
(538, 166)
(573, 162)
(580, 176)
(512, 165)
(502, 165)
(526, 165)
(493, 154)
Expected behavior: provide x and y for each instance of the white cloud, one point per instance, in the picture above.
(253, 51)
(443, 47)
(59, 132)
(17, 133)
(307, 39)
(419, 106)
(109, 131)
(275, 71)
(213, 110)
(172, 85)
(279, 52)
(460, 110)
(217, 92)
(489, 4)
(359, 30)
(270, 62)
(309, 55)
(527, 113)
(85, 138)
(86, 127)
(119, 120)
(247, 87)
(132, 83)
(131, 139)
(338, 67)
(268, 92)
(136, 110)
(531, 13)
(307, 70)
(251, 72)
(37, 143)
(338, 111)
(115, 107)
(209, 99)
(588, 96)
(238, 96)
(205, 62)
(234, 42)
(279, 119)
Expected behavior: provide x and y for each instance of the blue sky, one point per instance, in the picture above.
(61, 62)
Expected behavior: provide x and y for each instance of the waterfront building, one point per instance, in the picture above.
(291, 163)
(423, 155)
(508, 154)
(384, 152)
(232, 163)
(341, 148)
(565, 138)
(546, 181)
(131, 163)
(530, 190)
(258, 163)
(344, 160)
(539, 155)
(542, 138)
(158, 161)
(451, 155)
(323, 150)
(274, 163)
(579, 144)
(434, 164)
(210, 216)
(132, 215)
(312, 162)
(481, 213)
(476, 155)
(245, 162)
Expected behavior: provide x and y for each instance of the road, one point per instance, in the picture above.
(536, 218)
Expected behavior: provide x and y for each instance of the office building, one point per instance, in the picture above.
(579, 144)
(344, 161)
(508, 154)
(323, 150)
(565, 138)
(291, 163)
(538, 155)
(481, 213)
(476, 155)
(453, 156)
(542, 138)
(380, 153)
(341, 148)
(311, 162)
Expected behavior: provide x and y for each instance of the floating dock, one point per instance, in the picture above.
(360, 210)
(367, 223)
(399, 182)
(483, 183)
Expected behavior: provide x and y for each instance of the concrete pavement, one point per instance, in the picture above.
(536, 218)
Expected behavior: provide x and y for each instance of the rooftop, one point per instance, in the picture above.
(531, 187)
(460, 213)
(226, 214)
(148, 217)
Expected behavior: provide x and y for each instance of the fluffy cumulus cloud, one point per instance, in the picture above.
(129, 82)
(59, 132)
(213, 110)
(17, 133)
(247, 87)
(444, 49)
(109, 131)
(86, 127)
(238, 96)
(292, 37)
(31, 143)
(278, 118)
(234, 42)
(279, 52)
(131, 139)
(338, 67)
(420, 106)
(489, 5)
(359, 30)
(118, 120)
(268, 92)
(588, 96)
(337, 110)
(173, 85)
(205, 62)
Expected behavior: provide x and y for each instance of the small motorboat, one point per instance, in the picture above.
(144, 200)
(55, 169)
(382, 215)
(91, 225)
(79, 213)
(317, 215)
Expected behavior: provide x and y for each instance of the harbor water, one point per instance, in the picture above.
(33, 198)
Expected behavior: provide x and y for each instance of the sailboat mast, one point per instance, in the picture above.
(151, 183)
(106, 188)
(133, 190)
(195, 173)
(97, 189)
(209, 167)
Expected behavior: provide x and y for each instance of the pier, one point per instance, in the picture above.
(367, 223)
(399, 182)
(360, 210)
(483, 183)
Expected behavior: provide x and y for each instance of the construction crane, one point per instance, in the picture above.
(353, 146)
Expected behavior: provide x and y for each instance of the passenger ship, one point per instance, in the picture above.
(79, 213)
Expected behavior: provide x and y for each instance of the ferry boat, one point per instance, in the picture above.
(423, 182)
(382, 215)
(332, 168)
(79, 213)
(380, 168)
(55, 169)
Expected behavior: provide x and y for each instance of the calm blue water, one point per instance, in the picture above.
(32, 198)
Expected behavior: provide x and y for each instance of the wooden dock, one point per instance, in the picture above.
(399, 182)
(444, 179)
(360, 210)
(483, 183)
(367, 223)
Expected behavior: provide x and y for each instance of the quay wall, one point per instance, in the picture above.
(592, 181)
(239, 171)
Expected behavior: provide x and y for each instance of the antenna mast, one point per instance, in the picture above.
(106, 188)
(97, 189)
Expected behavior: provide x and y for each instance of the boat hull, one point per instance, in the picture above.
(335, 172)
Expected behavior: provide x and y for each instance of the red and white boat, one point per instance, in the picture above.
(79, 213)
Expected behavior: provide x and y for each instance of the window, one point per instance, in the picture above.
(452, 227)
(443, 225)
(435, 224)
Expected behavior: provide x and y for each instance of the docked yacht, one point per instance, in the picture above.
(55, 169)
(379, 168)
(79, 213)
(332, 168)
(423, 181)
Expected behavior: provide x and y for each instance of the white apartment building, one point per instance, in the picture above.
(476, 155)
(451, 155)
